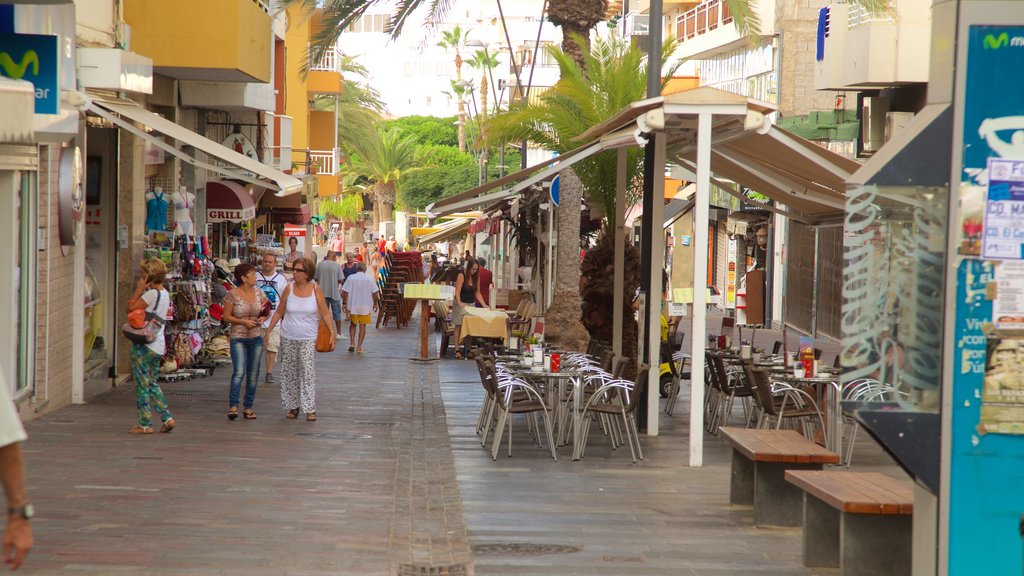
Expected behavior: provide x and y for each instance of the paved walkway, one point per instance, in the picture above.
(390, 480)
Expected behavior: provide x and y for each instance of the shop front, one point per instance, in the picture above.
(230, 213)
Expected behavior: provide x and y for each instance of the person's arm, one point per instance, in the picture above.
(135, 302)
(459, 281)
(279, 312)
(344, 297)
(376, 300)
(18, 534)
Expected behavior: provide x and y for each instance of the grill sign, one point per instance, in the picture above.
(233, 215)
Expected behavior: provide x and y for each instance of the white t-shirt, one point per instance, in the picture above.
(149, 297)
(273, 287)
(11, 430)
(360, 289)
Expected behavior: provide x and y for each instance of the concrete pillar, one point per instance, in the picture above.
(131, 218)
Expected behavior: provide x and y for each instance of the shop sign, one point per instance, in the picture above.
(241, 144)
(231, 215)
(33, 58)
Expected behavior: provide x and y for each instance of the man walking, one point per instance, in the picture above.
(328, 276)
(273, 284)
(361, 298)
(18, 533)
(485, 278)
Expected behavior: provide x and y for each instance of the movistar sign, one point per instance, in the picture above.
(33, 57)
(995, 42)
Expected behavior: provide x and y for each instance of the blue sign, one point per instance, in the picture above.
(985, 500)
(33, 58)
(556, 189)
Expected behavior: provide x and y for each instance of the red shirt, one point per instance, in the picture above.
(486, 279)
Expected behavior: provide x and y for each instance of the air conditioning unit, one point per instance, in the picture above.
(896, 121)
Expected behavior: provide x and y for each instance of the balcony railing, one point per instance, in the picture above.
(702, 19)
(859, 16)
(638, 24)
(326, 162)
(331, 62)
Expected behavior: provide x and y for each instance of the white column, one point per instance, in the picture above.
(620, 251)
(656, 273)
(698, 327)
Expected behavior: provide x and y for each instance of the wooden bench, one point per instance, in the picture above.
(858, 521)
(760, 459)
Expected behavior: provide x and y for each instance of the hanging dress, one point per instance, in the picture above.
(156, 212)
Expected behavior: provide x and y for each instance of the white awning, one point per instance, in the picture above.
(124, 114)
(530, 176)
(448, 230)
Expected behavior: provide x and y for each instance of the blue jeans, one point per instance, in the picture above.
(245, 361)
(335, 305)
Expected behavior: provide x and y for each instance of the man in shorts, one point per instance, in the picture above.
(361, 298)
(18, 533)
(329, 276)
(273, 284)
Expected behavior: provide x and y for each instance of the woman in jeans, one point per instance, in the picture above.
(245, 309)
(300, 312)
(150, 295)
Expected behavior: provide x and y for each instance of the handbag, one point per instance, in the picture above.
(324, 342)
(150, 328)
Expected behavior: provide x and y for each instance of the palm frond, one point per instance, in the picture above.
(745, 16)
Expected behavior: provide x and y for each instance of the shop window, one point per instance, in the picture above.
(26, 286)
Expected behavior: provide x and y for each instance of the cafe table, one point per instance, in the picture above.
(555, 394)
(828, 392)
(484, 323)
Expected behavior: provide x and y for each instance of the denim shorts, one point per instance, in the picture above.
(335, 305)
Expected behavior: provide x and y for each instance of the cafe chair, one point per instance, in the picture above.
(863, 390)
(616, 398)
(781, 403)
(514, 396)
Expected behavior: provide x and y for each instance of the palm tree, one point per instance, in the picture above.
(614, 75)
(347, 208)
(484, 62)
(456, 40)
(381, 160)
(359, 106)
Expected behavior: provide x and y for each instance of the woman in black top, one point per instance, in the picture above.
(467, 293)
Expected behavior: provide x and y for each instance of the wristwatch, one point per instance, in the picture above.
(26, 512)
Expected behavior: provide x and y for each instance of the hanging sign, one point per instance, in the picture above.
(230, 214)
(33, 58)
(240, 143)
(556, 187)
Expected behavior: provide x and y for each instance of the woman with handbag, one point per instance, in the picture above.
(245, 309)
(151, 297)
(302, 312)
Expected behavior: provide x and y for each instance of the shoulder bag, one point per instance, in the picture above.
(150, 327)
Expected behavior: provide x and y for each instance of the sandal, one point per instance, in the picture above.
(168, 426)
(351, 348)
(311, 417)
(292, 414)
(249, 415)
(233, 413)
(458, 355)
(140, 429)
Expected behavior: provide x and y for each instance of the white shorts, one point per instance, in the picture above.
(274, 341)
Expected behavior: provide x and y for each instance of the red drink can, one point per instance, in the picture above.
(556, 362)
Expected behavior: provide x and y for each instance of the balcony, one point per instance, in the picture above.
(709, 29)
(279, 154)
(637, 24)
(223, 41)
(325, 75)
(863, 50)
(325, 162)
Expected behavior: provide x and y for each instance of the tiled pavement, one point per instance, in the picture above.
(377, 486)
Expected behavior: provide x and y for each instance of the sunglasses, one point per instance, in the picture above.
(298, 269)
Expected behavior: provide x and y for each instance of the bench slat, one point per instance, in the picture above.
(857, 492)
(777, 446)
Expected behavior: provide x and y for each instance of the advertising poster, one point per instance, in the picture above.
(1004, 210)
(1002, 397)
(1008, 306)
